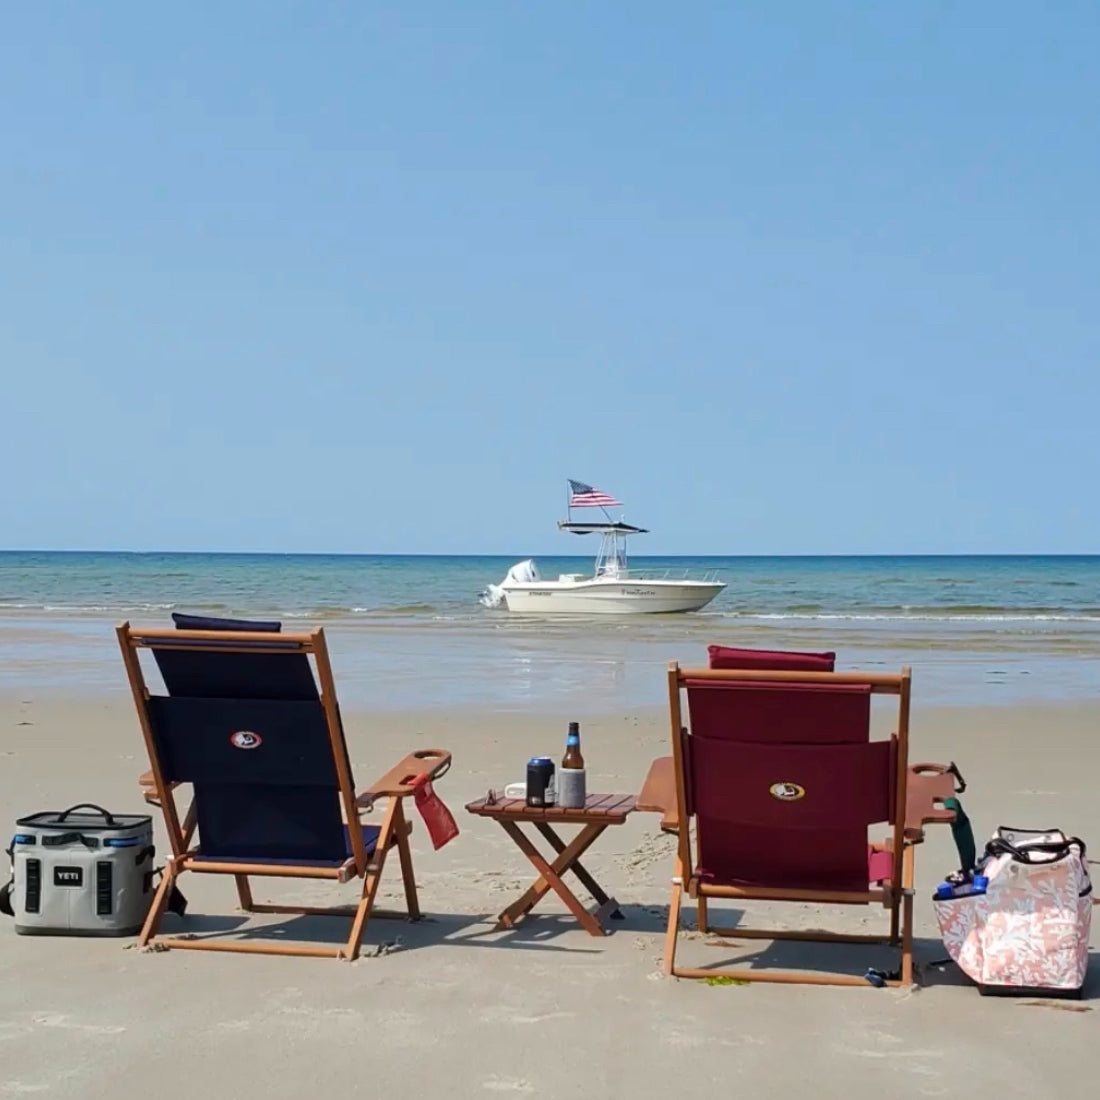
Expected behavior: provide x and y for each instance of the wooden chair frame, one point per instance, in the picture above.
(896, 896)
(395, 786)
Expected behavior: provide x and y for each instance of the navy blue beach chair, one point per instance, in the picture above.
(253, 724)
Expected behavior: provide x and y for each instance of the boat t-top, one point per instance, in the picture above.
(613, 588)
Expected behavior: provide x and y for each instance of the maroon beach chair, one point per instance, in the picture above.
(778, 772)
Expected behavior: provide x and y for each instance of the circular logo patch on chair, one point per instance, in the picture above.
(787, 792)
(245, 739)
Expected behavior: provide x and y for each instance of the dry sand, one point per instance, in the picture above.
(448, 1008)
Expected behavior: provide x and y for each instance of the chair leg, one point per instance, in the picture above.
(371, 880)
(672, 933)
(157, 907)
(404, 855)
(908, 876)
(907, 941)
(701, 913)
(244, 892)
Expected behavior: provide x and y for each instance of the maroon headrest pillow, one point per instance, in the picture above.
(770, 660)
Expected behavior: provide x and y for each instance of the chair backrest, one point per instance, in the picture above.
(775, 660)
(781, 776)
(229, 672)
(244, 722)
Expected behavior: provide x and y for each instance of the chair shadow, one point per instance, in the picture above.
(808, 956)
(384, 933)
(932, 967)
(538, 931)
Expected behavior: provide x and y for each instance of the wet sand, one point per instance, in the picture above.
(449, 1007)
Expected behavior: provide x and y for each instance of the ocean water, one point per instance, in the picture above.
(408, 631)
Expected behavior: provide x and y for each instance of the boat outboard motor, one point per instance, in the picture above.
(523, 572)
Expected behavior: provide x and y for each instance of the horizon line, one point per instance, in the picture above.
(500, 554)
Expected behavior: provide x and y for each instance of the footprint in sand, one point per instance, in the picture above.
(56, 1020)
(508, 1084)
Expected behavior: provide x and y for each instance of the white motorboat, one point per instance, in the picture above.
(613, 588)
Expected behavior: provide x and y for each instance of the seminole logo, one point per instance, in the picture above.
(787, 792)
(245, 739)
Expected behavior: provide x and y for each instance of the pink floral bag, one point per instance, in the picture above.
(1029, 930)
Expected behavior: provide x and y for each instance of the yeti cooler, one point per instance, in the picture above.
(83, 872)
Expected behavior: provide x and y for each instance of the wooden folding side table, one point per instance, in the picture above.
(600, 811)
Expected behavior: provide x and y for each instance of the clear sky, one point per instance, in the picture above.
(786, 278)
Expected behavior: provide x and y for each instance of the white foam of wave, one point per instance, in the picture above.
(61, 608)
(70, 609)
(903, 618)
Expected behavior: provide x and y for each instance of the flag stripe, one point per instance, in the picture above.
(584, 496)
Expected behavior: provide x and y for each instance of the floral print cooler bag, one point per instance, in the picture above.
(1029, 930)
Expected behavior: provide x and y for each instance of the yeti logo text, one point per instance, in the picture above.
(787, 792)
(245, 739)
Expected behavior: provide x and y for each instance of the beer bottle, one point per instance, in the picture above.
(572, 757)
(571, 777)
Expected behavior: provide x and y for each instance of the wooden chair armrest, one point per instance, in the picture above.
(658, 793)
(926, 788)
(398, 781)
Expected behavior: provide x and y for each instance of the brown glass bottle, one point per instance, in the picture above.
(573, 757)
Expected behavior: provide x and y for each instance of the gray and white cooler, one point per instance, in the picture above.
(82, 872)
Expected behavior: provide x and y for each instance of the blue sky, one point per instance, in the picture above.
(801, 278)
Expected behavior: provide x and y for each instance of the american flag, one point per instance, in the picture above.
(584, 496)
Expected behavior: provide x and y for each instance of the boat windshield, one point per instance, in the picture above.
(611, 560)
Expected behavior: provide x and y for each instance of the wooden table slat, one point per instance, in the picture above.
(595, 803)
(624, 805)
(610, 808)
(553, 813)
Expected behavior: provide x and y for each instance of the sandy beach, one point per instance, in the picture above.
(448, 1006)
(526, 350)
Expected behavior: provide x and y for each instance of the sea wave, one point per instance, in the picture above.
(945, 615)
(451, 610)
(396, 609)
(70, 609)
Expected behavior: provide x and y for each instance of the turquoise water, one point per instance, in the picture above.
(399, 588)
(409, 630)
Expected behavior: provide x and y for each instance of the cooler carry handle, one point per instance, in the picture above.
(1060, 849)
(87, 806)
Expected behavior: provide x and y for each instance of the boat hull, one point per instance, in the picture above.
(611, 597)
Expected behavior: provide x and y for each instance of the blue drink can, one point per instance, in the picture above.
(540, 782)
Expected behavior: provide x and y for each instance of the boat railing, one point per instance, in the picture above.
(710, 576)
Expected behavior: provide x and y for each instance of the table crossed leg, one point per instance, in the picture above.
(589, 883)
(550, 877)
